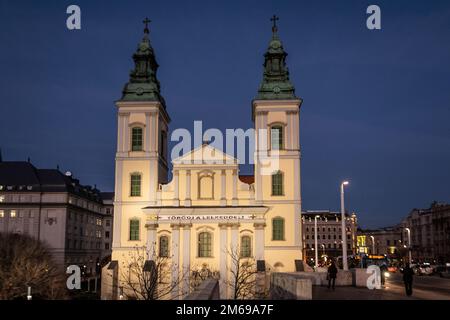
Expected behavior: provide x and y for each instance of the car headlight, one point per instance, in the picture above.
(387, 275)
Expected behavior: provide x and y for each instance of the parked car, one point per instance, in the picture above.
(424, 269)
(392, 269)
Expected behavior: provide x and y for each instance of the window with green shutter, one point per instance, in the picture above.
(204, 245)
(134, 229)
(136, 139)
(277, 184)
(135, 185)
(246, 247)
(276, 137)
(278, 229)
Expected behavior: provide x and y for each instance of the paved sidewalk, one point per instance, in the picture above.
(353, 293)
(424, 288)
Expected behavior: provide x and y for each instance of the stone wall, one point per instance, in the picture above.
(344, 278)
(290, 286)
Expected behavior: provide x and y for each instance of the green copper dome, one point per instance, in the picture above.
(275, 84)
(143, 84)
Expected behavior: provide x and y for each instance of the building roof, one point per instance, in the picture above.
(323, 213)
(107, 196)
(381, 230)
(205, 154)
(248, 179)
(276, 84)
(18, 173)
(25, 177)
(143, 84)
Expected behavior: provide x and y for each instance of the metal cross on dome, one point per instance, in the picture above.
(146, 22)
(274, 19)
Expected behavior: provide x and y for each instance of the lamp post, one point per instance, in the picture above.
(409, 244)
(373, 244)
(316, 252)
(344, 230)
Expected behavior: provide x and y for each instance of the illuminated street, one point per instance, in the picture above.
(424, 288)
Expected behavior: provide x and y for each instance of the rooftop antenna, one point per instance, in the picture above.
(29, 160)
(57, 167)
(1, 158)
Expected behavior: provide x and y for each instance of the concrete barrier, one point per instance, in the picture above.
(207, 290)
(109, 284)
(343, 278)
(287, 286)
(361, 276)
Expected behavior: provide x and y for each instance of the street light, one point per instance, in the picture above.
(315, 242)
(373, 244)
(120, 293)
(344, 230)
(409, 243)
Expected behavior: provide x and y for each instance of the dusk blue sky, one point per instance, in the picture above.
(376, 105)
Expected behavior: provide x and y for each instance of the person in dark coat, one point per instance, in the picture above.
(332, 272)
(383, 270)
(408, 274)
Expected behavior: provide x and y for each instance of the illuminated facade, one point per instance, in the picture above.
(207, 209)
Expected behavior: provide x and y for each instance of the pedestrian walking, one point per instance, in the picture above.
(331, 275)
(408, 274)
(383, 270)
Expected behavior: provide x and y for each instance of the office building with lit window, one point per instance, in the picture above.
(53, 207)
(329, 234)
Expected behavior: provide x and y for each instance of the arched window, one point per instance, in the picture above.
(134, 229)
(135, 185)
(136, 139)
(278, 229)
(276, 137)
(246, 247)
(204, 245)
(277, 184)
(164, 246)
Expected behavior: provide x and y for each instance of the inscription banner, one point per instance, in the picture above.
(213, 217)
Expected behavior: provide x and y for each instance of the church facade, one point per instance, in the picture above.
(207, 210)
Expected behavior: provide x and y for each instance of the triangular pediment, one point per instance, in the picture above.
(205, 154)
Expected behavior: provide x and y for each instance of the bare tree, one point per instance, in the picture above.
(149, 279)
(26, 262)
(243, 275)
